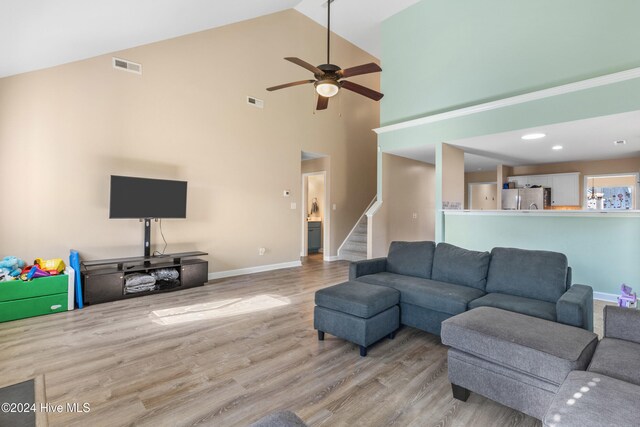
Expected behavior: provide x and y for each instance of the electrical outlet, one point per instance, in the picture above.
(293, 205)
(261, 251)
(334, 206)
(415, 215)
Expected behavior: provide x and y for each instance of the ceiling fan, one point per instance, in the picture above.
(328, 77)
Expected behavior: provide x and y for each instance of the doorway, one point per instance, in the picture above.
(315, 221)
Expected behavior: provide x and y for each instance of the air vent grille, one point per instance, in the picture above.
(123, 64)
(258, 103)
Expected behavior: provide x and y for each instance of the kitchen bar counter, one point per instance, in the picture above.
(549, 213)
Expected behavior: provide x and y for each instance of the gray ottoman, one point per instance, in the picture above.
(357, 312)
(514, 359)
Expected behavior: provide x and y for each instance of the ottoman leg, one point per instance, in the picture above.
(392, 335)
(460, 393)
(320, 336)
(363, 351)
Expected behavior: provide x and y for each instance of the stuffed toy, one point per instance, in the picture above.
(628, 298)
(11, 267)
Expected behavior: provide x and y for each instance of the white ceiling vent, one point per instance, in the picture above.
(123, 64)
(258, 103)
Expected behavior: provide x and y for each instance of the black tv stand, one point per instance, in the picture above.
(103, 280)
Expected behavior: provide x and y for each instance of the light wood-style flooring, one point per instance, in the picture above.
(231, 352)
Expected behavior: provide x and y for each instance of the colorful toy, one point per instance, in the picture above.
(51, 266)
(36, 273)
(627, 299)
(11, 267)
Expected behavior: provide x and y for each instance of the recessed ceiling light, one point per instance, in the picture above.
(620, 142)
(557, 147)
(532, 136)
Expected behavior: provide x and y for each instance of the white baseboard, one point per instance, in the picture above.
(331, 258)
(602, 296)
(251, 270)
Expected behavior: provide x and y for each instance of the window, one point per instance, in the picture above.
(611, 192)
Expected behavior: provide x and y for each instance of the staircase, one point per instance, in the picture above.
(354, 247)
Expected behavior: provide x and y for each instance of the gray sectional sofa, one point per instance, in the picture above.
(608, 392)
(438, 282)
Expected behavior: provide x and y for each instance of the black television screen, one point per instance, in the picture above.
(147, 198)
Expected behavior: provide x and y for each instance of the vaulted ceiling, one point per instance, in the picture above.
(36, 34)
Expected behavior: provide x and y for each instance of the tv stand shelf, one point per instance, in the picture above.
(104, 280)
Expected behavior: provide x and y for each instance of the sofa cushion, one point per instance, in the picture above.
(431, 294)
(411, 258)
(537, 347)
(602, 401)
(358, 299)
(622, 323)
(618, 359)
(460, 266)
(531, 274)
(528, 306)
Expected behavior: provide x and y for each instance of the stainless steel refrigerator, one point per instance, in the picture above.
(526, 198)
(511, 199)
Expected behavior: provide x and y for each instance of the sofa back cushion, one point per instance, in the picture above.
(460, 266)
(541, 275)
(411, 258)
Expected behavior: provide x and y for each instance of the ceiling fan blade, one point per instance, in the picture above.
(361, 69)
(365, 91)
(323, 103)
(303, 64)
(301, 82)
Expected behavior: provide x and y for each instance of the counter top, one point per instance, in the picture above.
(549, 212)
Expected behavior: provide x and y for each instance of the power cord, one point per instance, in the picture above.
(163, 239)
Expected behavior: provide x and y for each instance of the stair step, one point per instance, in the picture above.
(361, 238)
(349, 255)
(356, 246)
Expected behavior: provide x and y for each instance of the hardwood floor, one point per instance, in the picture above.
(229, 353)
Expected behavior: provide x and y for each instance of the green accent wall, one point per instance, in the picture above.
(441, 55)
(601, 101)
(603, 252)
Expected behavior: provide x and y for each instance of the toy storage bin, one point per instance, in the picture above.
(45, 295)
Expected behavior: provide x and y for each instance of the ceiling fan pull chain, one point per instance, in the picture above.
(328, 29)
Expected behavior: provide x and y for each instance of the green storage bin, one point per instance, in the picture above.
(45, 295)
(29, 307)
(17, 289)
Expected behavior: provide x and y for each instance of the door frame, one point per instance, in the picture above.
(326, 219)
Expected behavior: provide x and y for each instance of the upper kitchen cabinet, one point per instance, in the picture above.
(541, 180)
(530, 180)
(565, 189)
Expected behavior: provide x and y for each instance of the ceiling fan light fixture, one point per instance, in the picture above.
(327, 88)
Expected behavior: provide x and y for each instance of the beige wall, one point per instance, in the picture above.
(408, 188)
(64, 130)
(453, 182)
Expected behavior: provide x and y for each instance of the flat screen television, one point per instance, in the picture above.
(134, 198)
